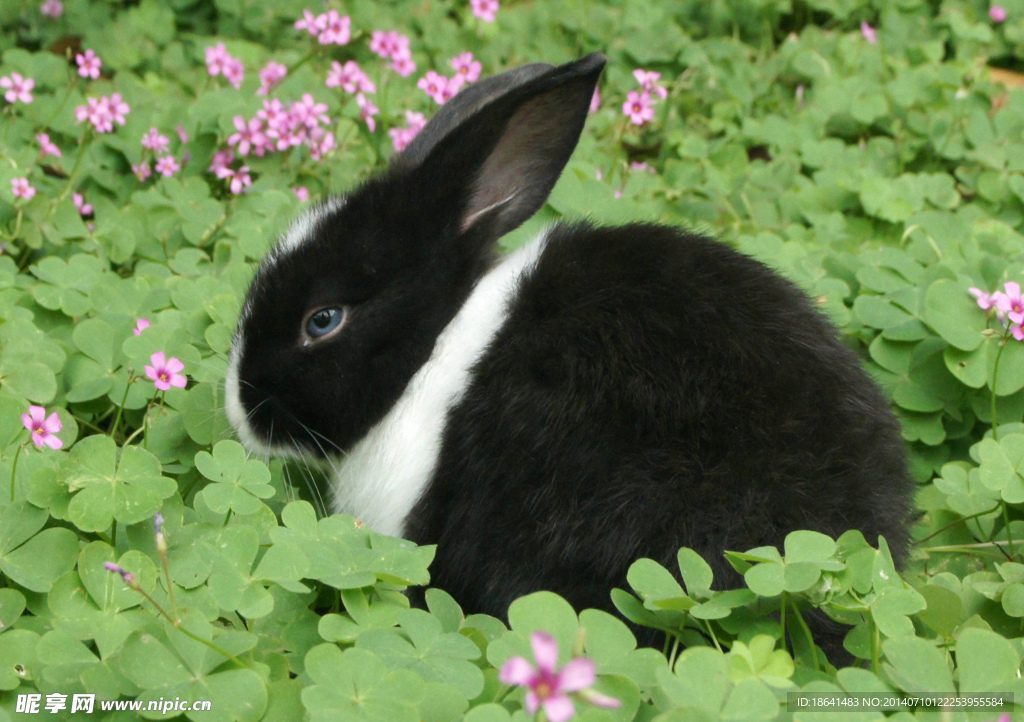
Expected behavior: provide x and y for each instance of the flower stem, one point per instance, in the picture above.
(86, 141)
(995, 379)
(14, 469)
(176, 623)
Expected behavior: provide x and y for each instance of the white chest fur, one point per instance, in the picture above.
(385, 474)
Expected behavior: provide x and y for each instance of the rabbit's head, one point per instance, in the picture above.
(348, 305)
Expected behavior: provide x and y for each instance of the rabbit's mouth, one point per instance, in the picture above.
(264, 426)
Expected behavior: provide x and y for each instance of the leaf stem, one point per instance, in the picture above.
(959, 521)
(1006, 523)
(14, 469)
(120, 408)
(875, 643)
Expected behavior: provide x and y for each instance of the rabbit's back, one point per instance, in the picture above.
(649, 390)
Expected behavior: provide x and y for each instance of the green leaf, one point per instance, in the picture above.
(950, 311)
(986, 661)
(129, 490)
(917, 667)
(696, 573)
(1002, 466)
(240, 482)
(808, 546)
(356, 685)
(767, 579)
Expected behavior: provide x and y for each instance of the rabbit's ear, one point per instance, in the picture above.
(501, 160)
(465, 103)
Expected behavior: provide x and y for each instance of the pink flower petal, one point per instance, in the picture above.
(545, 651)
(38, 414)
(151, 373)
(559, 708)
(532, 701)
(161, 384)
(52, 424)
(53, 442)
(26, 421)
(174, 365)
(517, 671)
(158, 360)
(578, 674)
(178, 380)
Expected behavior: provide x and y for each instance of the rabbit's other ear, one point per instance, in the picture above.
(508, 146)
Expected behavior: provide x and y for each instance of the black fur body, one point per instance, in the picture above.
(650, 390)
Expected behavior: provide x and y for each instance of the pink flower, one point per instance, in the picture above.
(141, 325)
(547, 685)
(366, 111)
(128, 577)
(313, 24)
(985, 300)
(48, 147)
(249, 136)
(164, 373)
(52, 8)
(997, 13)
(401, 137)
(638, 107)
(402, 63)
(43, 427)
(308, 112)
(167, 166)
(595, 101)
(217, 58)
(337, 29)
(486, 11)
(22, 188)
(388, 44)
(1017, 332)
(453, 86)
(18, 88)
(234, 71)
(1011, 303)
(156, 142)
(869, 33)
(238, 180)
(649, 81)
(433, 85)
(221, 159)
(142, 171)
(349, 77)
(302, 193)
(117, 108)
(275, 116)
(97, 113)
(321, 143)
(88, 64)
(272, 74)
(84, 209)
(466, 67)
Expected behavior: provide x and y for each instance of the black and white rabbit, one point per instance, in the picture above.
(546, 418)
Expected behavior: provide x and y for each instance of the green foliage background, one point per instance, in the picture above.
(886, 179)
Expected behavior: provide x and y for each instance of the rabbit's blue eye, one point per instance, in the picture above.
(324, 321)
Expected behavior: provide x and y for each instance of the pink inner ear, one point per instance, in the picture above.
(531, 148)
